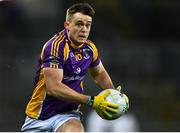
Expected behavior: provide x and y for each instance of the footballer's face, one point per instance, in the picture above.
(78, 28)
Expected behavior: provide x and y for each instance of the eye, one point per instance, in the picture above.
(79, 24)
(88, 25)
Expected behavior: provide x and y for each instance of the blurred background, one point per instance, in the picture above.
(138, 41)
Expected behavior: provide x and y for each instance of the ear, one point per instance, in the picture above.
(66, 25)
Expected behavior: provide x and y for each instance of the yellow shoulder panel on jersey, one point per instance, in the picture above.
(66, 50)
(95, 55)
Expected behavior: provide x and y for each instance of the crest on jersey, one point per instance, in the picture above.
(86, 53)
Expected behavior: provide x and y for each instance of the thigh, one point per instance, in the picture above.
(53, 123)
(72, 125)
(34, 125)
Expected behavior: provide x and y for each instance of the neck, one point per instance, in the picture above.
(75, 45)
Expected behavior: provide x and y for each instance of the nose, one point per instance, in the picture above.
(84, 28)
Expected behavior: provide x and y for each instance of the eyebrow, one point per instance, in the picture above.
(83, 21)
(89, 21)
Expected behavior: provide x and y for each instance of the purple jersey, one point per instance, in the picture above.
(59, 54)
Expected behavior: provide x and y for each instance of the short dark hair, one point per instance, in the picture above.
(83, 8)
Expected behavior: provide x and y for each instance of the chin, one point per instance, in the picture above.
(81, 42)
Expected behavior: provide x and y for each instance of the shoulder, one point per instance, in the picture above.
(94, 50)
(89, 42)
(54, 45)
(56, 39)
(57, 42)
(91, 45)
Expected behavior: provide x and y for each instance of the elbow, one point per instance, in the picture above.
(55, 89)
(51, 90)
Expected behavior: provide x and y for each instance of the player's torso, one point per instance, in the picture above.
(74, 62)
(77, 63)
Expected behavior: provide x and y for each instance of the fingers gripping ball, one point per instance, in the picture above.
(114, 97)
(104, 108)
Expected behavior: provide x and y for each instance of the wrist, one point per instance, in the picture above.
(90, 101)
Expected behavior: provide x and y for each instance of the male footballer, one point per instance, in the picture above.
(58, 87)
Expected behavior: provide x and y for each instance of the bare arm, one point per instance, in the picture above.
(101, 77)
(56, 88)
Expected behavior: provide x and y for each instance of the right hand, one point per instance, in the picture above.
(102, 107)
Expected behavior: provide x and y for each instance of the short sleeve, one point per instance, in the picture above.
(96, 62)
(52, 55)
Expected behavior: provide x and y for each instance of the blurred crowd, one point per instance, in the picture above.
(138, 42)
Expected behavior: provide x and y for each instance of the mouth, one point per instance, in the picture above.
(82, 36)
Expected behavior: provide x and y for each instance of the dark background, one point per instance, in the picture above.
(138, 41)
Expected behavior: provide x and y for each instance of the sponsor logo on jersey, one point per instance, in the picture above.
(53, 60)
(74, 77)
